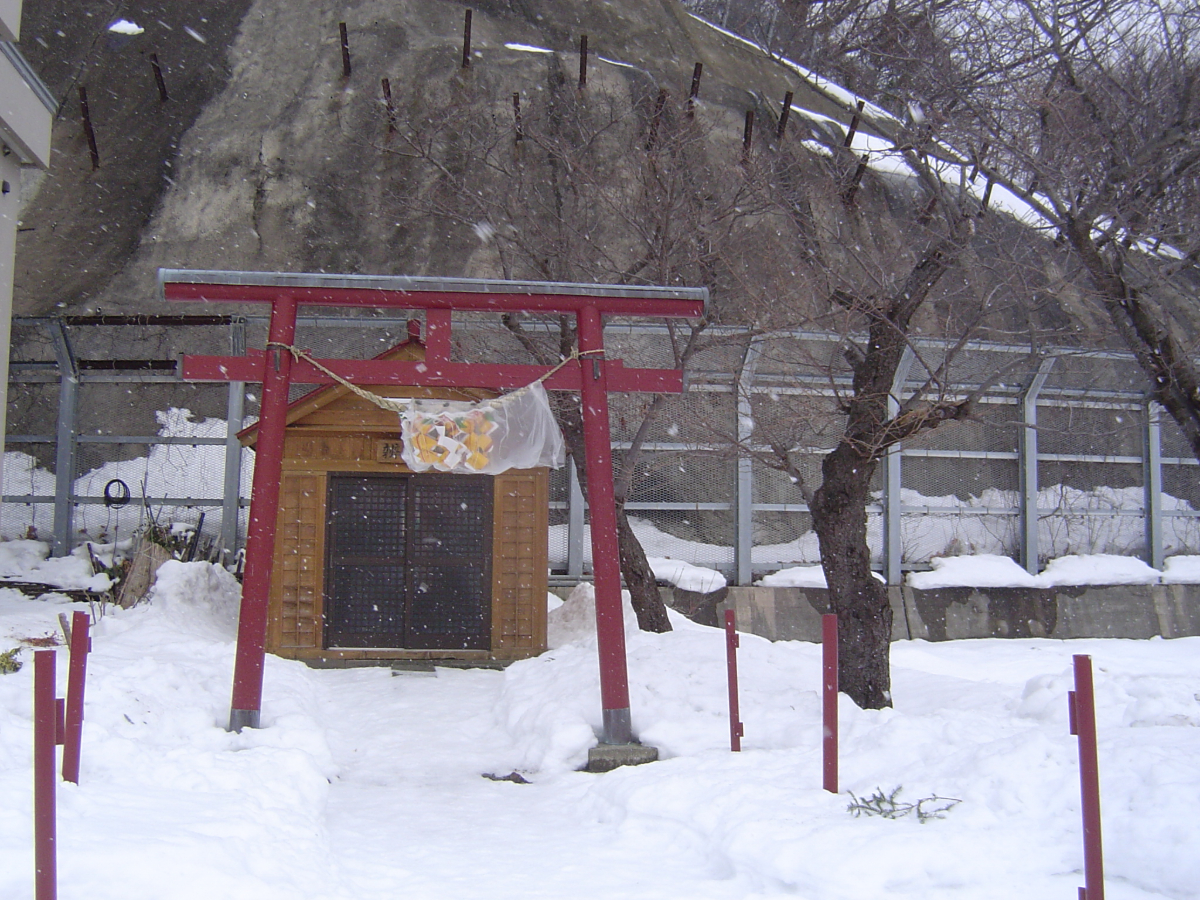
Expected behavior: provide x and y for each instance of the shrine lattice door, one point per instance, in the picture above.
(408, 561)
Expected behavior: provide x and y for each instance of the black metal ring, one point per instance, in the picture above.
(118, 497)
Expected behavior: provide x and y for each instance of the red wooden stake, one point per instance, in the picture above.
(60, 721)
(1083, 723)
(829, 705)
(76, 678)
(45, 720)
(736, 730)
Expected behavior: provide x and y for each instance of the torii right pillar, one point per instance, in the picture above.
(606, 567)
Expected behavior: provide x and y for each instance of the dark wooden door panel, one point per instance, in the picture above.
(409, 561)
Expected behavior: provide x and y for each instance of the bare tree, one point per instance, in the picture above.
(593, 187)
(587, 187)
(883, 287)
(889, 50)
(1096, 125)
(1088, 112)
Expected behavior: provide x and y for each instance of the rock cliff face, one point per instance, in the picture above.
(83, 226)
(267, 158)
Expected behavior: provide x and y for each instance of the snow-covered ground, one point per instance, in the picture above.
(368, 785)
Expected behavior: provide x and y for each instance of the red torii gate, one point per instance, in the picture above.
(593, 376)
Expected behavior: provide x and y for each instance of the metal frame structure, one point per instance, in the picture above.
(73, 377)
(1029, 466)
(592, 375)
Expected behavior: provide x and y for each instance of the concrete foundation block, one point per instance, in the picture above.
(794, 614)
(1126, 611)
(940, 614)
(606, 757)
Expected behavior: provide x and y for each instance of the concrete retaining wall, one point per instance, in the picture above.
(1124, 611)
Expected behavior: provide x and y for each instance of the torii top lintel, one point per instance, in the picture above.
(410, 292)
(439, 297)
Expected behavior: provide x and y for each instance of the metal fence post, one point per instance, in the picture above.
(575, 522)
(65, 437)
(1152, 460)
(893, 550)
(235, 412)
(744, 516)
(1028, 455)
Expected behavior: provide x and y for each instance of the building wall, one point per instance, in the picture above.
(10, 174)
(25, 122)
(10, 20)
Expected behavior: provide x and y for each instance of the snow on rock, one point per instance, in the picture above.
(685, 576)
(1100, 568)
(803, 577)
(124, 26)
(200, 595)
(19, 558)
(28, 561)
(575, 619)
(527, 48)
(1182, 570)
(796, 576)
(985, 570)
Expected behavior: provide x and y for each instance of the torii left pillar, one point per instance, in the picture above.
(264, 506)
(593, 376)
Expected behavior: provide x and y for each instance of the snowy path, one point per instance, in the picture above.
(411, 816)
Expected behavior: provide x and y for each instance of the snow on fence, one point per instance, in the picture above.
(1066, 458)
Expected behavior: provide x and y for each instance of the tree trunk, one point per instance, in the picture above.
(639, 579)
(859, 599)
(635, 570)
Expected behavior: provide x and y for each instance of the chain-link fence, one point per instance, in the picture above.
(1062, 455)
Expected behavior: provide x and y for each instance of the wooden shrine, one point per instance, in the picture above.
(374, 561)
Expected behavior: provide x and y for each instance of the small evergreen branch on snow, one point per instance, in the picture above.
(9, 662)
(890, 807)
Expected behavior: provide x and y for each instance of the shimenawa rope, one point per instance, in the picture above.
(399, 405)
